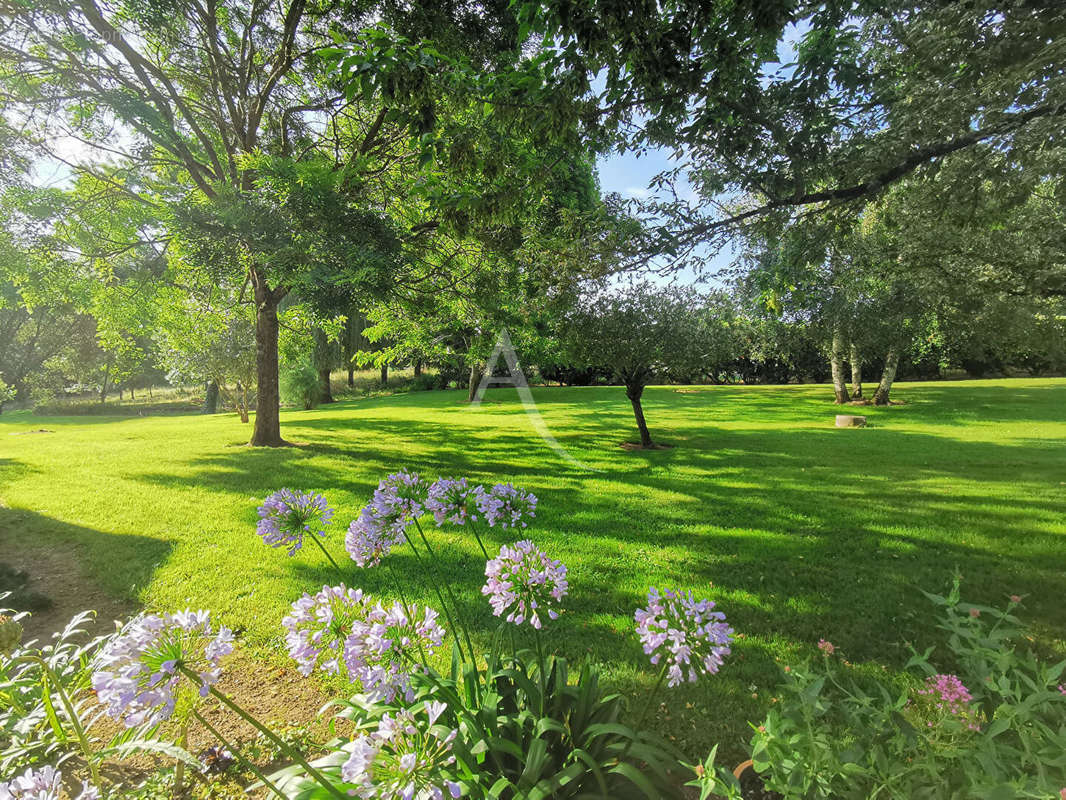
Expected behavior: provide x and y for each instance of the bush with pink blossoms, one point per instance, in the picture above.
(994, 726)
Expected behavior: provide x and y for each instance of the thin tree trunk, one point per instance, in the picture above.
(856, 372)
(418, 367)
(384, 374)
(267, 430)
(351, 376)
(325, 386)
(107, 374)
(244, 402)
(211, 398)
(836, 363)
(132, 397)
(475, 381)
(888, 375)
(634, 393)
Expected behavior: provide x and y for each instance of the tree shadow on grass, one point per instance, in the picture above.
(77, 568)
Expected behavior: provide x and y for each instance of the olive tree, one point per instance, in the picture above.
(639, 332)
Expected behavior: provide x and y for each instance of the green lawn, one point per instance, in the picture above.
(796, 529)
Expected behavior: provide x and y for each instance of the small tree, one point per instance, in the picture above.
(638, 332)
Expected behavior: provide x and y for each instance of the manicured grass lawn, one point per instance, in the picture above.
(796, 529)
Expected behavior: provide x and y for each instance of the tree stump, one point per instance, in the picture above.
(850, 421)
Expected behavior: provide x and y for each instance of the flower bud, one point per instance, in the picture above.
(10, 634)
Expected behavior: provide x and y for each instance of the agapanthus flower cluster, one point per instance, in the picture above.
(1062, 688)
(45, 783)
(399, 499)
(686, 634)
(319, 626)
(525, 584)
(401, 760)
(138, 672)
(507, 506)
(42, 784)
(453, 500)
(384, 648)
(287, 516)
(403, 493)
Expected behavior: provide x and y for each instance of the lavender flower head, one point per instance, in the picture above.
(318, 628)
(403, 493)
(506, 506)
(525, 583)
(401, 760)
(42, 784)
(385, 647)
(287, 515)
(138, 672)
(453, 500)
(373, 535)
(689, 634)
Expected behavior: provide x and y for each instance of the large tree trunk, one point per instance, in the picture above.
(418, 367)
(856, 372)
(384, 374)
(210, 398)
(888, 375)
(475, 381)
(634, 394)
(267, 430)
(836, 362)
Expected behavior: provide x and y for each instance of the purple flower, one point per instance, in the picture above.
(404, 494)
(42, 784)
(319, 626)
(691, 636)
(506, 506)
(1062, 688)
(287, 515)
(139, 670)
(525, 583)
(387, 645)
(453, 500)
(402, 760)
(827, 648)
(372, 536)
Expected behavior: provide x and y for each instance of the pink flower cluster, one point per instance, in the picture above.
(139, 670)
(525, 584)
(689, 634)
(947, 693)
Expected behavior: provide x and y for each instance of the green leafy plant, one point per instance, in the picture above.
(520, 732)
(993, 728)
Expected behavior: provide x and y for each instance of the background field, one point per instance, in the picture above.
(797, 530)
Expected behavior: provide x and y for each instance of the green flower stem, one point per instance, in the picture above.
(651, 699)
(322, 547)
(451, 596)
(244, 760)
(83, 739)
(473, 529)
(440, 597)
(406, 609)
(285, 748)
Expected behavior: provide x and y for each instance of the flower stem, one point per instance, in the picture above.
(83, 739)
(406, 609)
(473, 529)
(244, 759)
(273, 737)
(444, 606)
(322, 547)
(651, 699)
(451, 596)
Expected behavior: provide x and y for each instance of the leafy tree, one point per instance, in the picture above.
(640, 331)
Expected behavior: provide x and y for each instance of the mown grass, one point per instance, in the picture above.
(796, 529)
